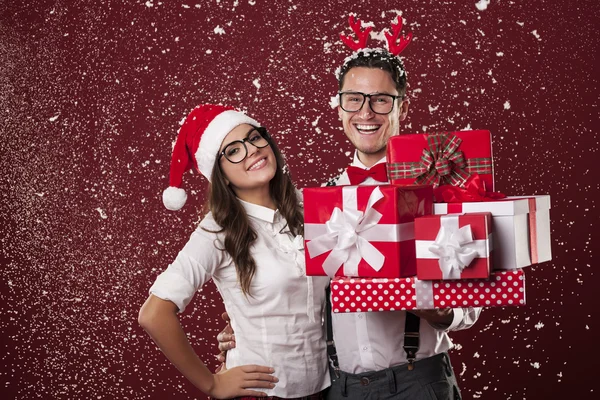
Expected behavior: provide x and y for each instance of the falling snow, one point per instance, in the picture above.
(92, 96)
(482, 5)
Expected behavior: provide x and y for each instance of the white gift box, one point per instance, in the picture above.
(521, 228)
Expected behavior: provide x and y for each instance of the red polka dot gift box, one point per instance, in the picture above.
(503, 288)
(365, 231)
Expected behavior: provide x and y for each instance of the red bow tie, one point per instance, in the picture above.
(358, 175)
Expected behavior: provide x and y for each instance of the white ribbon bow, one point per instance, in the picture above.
(452, 248)
(344, 237)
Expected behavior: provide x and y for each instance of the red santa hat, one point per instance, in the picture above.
(198, 142)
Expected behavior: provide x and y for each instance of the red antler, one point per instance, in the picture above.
(394, 48)
(362, 36)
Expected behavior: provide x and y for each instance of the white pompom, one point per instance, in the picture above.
(174, 198)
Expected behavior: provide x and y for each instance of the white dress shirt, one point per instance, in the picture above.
(279, 323)
(372, 341)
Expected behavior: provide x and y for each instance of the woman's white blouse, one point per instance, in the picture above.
(279, 323)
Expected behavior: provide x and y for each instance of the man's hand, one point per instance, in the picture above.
(440, 318)
(226, 339)
(236, 382)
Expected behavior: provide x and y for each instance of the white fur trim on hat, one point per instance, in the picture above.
(174, 198)
(213, 136)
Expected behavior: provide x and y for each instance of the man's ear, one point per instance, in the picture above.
(340, 111)
(404, 110)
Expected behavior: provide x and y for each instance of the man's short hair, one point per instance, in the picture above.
(375, 58)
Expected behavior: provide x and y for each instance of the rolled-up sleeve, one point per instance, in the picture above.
(193, 267)
(464, 318)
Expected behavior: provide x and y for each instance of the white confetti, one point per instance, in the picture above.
(102, 213)
(539, 325)
(482, 5)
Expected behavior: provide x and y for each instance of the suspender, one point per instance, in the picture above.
(411, 336)
(331, 352)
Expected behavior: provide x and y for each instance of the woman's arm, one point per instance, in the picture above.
(159, 318)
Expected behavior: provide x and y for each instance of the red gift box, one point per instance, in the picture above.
(455, 246)
(441, 159)
(363, 230)
(503, 288)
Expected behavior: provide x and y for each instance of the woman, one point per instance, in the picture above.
(250, 244)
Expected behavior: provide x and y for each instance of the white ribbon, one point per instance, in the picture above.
(454, 247)
(347, 230)
(424, 294)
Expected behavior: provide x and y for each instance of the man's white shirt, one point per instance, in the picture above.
(372, 341)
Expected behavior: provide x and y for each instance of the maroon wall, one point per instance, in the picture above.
(91, 95)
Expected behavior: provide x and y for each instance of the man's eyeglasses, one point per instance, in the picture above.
(380, 103)
(236, 151)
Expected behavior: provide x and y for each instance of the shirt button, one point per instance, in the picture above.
(360, 316)
(365, 348)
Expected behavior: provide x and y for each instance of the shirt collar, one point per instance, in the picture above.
(260, 212)
(357, 163)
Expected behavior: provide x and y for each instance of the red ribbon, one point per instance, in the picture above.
(533, 230)
(473, 190)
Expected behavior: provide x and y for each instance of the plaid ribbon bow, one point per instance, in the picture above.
(442, 163)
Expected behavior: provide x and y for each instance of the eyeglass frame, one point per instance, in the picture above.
(365, 96)
(262, 131)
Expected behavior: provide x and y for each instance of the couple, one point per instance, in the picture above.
(250, 244)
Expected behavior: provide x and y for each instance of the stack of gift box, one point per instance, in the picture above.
(437, 236)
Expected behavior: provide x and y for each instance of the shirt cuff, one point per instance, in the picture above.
(173, 287)
(457, 319)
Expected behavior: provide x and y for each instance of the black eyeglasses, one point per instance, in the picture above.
(380, 103)
(236, 151)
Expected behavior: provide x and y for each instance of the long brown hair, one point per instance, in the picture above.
(231, 216)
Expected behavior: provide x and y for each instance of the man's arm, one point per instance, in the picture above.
(450, 319)
(226, 340)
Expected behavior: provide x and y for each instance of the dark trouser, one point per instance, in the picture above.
(432, 378)
(316, 396)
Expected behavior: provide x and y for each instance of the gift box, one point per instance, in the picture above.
(454, 246)
(363, 230)
(503, 288)
(521, 228)
(441, 159)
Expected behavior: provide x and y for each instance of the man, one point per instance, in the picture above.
(375, 359)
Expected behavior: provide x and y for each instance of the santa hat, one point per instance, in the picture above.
(198, 142)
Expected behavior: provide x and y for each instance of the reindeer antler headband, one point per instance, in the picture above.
(395, 42)
(391, 38)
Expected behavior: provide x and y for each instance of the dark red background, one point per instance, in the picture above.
(91, 95)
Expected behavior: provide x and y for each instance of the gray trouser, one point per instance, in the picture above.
(432, 378)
